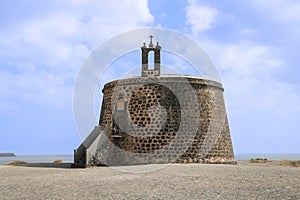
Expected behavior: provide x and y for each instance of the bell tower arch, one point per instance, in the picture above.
(145, 59)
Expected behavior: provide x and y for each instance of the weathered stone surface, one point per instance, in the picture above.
(159, 119)
(151, 119)
(154, 116)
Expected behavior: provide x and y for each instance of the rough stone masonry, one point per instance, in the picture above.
(159, 118)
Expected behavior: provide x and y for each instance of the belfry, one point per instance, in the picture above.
(145, 55)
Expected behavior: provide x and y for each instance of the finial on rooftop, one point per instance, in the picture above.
(151, 45)
(157, 45)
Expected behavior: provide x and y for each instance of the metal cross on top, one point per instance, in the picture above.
(151, 45)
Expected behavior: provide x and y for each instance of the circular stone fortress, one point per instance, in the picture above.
(158, 118)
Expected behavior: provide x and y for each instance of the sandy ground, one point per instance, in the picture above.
(176, 181)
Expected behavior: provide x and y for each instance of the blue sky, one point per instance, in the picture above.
(254, 44)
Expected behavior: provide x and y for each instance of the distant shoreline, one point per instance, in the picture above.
(7, 155)
(69, 158)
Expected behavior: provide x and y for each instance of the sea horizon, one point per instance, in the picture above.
(38, 158)
(68, 158)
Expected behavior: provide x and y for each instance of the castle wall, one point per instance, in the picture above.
(163, 119)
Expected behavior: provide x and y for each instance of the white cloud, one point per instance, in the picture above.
(40, 88)
(55, 34)
(199, 18)
(40, 56)
(247, 59)
(249, 73)
(251, 70)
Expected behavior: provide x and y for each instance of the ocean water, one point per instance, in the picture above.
(37, 158)
(69, 158)
(269, 156)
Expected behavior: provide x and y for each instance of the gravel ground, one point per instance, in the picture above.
(176, 181)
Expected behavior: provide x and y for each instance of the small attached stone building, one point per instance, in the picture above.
(159, 118)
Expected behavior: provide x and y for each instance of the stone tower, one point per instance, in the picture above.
(159, 118)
